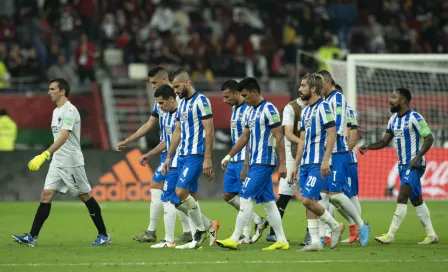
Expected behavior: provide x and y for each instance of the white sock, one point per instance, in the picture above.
(313, 229)
(425, 218)
(324, 202)
(275, 220)
(194, 213)
(235, 202)
(328, 219)
(155, 209)
(184, 220)
(247, 229)
(344, 202)
(170, 220)
(207, 223)
(355, 201)
(246, 210)
(345, 215)
(327, 228)
(399, 215)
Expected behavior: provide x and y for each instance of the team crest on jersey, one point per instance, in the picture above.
(183, 117)
(307, 123)
(240, 117)
(251, 123)
(406, 124)
(398, 133)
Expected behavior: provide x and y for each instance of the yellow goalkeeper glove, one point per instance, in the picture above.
(36, 162)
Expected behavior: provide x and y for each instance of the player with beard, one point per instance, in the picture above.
(413, 139)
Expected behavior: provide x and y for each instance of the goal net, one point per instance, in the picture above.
(367, 81)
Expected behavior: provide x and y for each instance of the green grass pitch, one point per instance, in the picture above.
(65, 238)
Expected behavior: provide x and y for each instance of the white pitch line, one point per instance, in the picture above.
(223, 262)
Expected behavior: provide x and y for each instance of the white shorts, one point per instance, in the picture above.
(286, 185)
(67, 178)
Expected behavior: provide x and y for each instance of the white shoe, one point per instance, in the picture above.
(385, 239)
(312, 247)
(335, 237)
(259, 228)
(345, 241)
(187, 245)
(213, 232)
(244, 240)
(164, 244)
(429, 240)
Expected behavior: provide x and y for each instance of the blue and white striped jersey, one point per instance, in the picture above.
(237, 123)
(316, 119)
(260, 120)
(168, 127)
(338, 107)
(190, 114)
(352, 123)
(159, 114)
(408, 132)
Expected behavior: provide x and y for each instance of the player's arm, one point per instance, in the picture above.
(175, 140)
(209, 139)
(353, 138)
(245, 168)
(340, 113)
(330, 129)
(425, 132)
(158, 149)
(278, 135)
(63, 136)
(384, 142)
(142, 131)
(239, 145)
(299, 154)
(288, 124)
(290, 136)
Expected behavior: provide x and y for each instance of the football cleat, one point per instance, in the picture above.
(101, 240)
(259, 228)
(184, 238)
(227, 243)
(147, 236)
(25, 239)
(213, 231)
(277, 246)
(244, 240)
(364, 234)
(311, 248)
(385, 239)
(271, 238)
(164, 244)
(429, 240)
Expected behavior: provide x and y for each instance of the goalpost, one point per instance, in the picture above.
(367, 81)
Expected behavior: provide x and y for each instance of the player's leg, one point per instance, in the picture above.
(53, 184)
(286, 191)
(211, 226)
(169, 199)
(312, 183)
(75, 179)
(337, 185)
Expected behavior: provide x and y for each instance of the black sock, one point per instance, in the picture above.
(282, 202)
(39, 219)
(95, 214)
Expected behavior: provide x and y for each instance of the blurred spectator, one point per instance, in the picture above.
(8, 131)
(162, 19)
(32, 66)
(328, 51)
(3, 52)
(135, 51)
(4, 76)
(63, 70)
(154, 48)
(7, 30)
(85, 58)
(70, 27)
(53, 54)
(14, 61)
(108, 32)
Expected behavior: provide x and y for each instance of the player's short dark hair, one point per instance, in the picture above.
(165, 91)
(3, 112)
(250, 84)
(178, 72)
(405, 93)
(315, 80)
(158, 70)
(327, 76)
(230, 85)
(62, 84)
(338, 88)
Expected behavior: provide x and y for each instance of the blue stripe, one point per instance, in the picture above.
(400, 152)
(407, 139)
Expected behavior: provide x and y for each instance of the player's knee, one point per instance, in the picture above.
(228, 196)
(156, 185)
(47, 196)
(181, 193)
(417, 201)
(307, 202)
(85, 197)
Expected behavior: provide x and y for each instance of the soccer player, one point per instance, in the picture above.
(194, 132)
(413, 139)
(66, 168)
(352, 192)
(337, 182)
(317, 139)
(232, 179)
(158, 76)
(263, 129)
(287, 186)
(166, 99)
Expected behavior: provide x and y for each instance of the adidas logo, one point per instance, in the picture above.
(128, 180)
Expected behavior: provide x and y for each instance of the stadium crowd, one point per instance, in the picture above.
(66, 38)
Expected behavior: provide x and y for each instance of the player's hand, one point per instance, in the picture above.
(414, 163)
(363, 149)
(36, 162)
(122, 145)
(225, 162)
(282, 171)
(207, 169)
(166, 165)
(243, 173)
(295, 171)
(325, 168)
(145, 159)
(362, 132)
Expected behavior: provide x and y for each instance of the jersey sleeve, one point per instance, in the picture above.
(340, 113)
(69, 120)
(327, 116)
(302, 119)
(273, 116)
(204, 108)
(155, 111)
(352, 123)
(288, 116)
(419, 122)
(390, 125)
